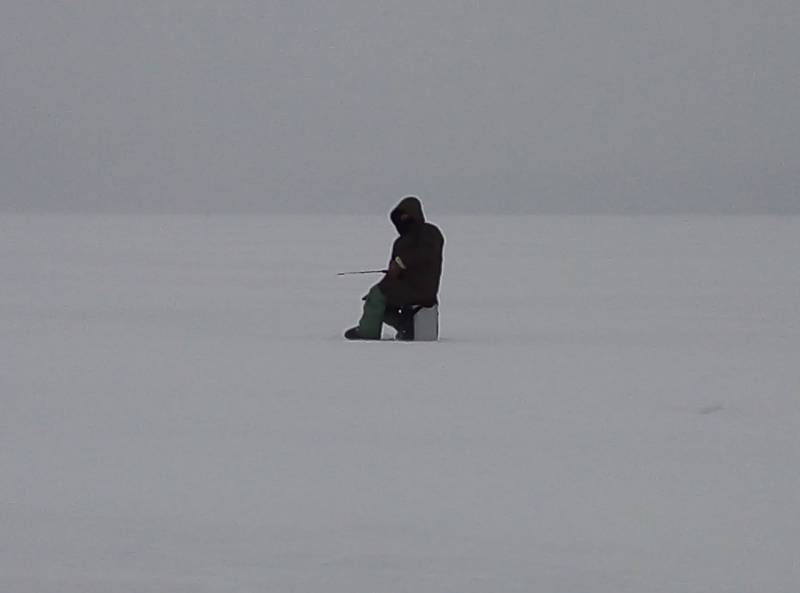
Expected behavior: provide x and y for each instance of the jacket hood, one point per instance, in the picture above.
(410, 206)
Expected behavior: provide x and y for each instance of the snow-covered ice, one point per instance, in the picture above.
(614, 407)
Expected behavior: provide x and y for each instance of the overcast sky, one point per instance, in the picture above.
(345, 106)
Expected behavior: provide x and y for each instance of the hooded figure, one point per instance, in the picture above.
(412, 279)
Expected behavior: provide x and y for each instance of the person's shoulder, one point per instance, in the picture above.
(433, 229)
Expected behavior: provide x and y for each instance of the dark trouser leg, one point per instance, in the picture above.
(401, 319)
(369, 326)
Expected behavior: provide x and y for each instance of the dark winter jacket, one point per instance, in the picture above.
(417, 253)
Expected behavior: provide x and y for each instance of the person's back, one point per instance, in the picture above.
(413, 276)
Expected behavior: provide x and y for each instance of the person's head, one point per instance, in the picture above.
(407, 213)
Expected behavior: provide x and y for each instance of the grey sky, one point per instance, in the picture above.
(541, 106)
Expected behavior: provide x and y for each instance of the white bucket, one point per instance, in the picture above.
(426, 324)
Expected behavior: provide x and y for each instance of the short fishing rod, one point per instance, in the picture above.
(362, 272)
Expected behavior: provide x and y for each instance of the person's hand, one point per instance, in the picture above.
(394, 269)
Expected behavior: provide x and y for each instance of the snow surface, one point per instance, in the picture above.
(614, 407)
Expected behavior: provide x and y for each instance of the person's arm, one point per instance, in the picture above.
(395, 269)
(397, 264)
(413, 254)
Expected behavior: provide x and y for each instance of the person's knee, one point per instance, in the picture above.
(376, 296)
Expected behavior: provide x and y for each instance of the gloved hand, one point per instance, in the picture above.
(395, 270)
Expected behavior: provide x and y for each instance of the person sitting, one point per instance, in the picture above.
(412, 279)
